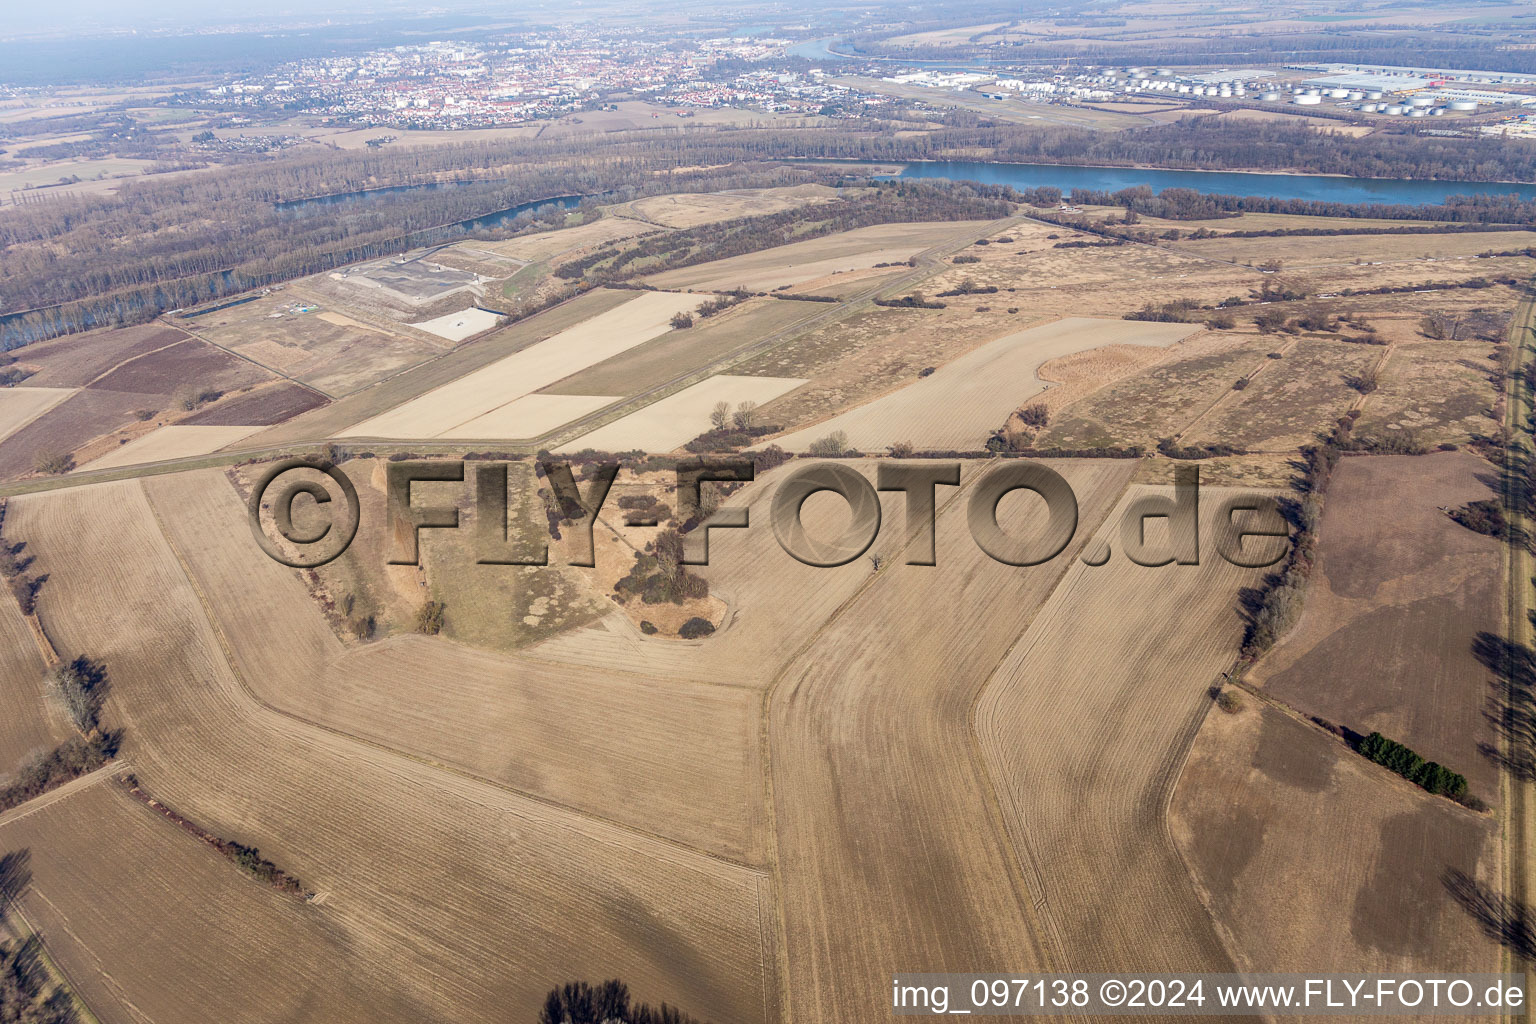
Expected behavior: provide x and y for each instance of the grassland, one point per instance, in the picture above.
(1393, 566)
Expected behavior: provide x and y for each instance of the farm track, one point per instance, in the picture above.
(1519, 796)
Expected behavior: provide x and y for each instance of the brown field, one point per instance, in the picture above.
(1385, 641)
(336, 358)
(187, 364)
(70, 425)
(465, 930)
(1270, 814)
(676, 353)
(690, 209)
(961, 403)
(816, 258)
(77, 359)
(29, 722)
(1291, 401)
(261, 407)
(673, 758)
(889, 847)
(132, 907)
(1084, 726)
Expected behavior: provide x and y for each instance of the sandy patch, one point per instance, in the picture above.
(173, 442)
(677, 419)
(530, 416)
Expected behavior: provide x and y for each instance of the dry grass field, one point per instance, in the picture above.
(680, 417)
(1291, 402)
(461, 930)
(1270, 813)
(529, 416)
(1440, 390)
(1401, 592)
(645, 316)
(961, 403)
(801, 262)
(20, 406)
(1301, 251)
(691, 209)
(1163, 399)
(172, 442)
(889, 847)
(675, 353)
(1084, 726)
(550, 245)
(77, 359)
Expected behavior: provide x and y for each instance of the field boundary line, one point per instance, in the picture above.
(47, 799)
(51, 963)
(227, 652)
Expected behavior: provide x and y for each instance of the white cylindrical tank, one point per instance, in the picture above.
(1367, 108)
(1421, 101)
(1306, 100)
(1393, 109)
(1356, 94)
(1269, 97)
(1417, 111)
(1463, 105)
(1373, 94)
(1338, 94)
(1437, 112)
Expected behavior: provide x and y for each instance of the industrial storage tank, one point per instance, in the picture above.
(1338, 94)
(1373, 94)
(1269, 97)
(1394, 109)
(1308, 100)
(1421, 101)
(1356, 94)
(1463, 104)
(1437, 112)
(1416, 111)
(1367, 108)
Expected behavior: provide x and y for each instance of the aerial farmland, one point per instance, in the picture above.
(517, 733)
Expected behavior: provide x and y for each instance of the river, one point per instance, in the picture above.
(1320, 187)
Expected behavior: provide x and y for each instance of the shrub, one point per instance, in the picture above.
(1364, 383)
(834, 444)
(82, 686)
(901, 450)
(770, 458)
(54, 462)
(648, 628)
(580, 1003)
(1241, 384)
(429, 618)
(143, 414)
(966, 259)
(69, 760)
(1036, 415)
(681, 320)
(1229, 701)
(696, 628)
(1485, 517)
(926, 371)
(24, 589)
